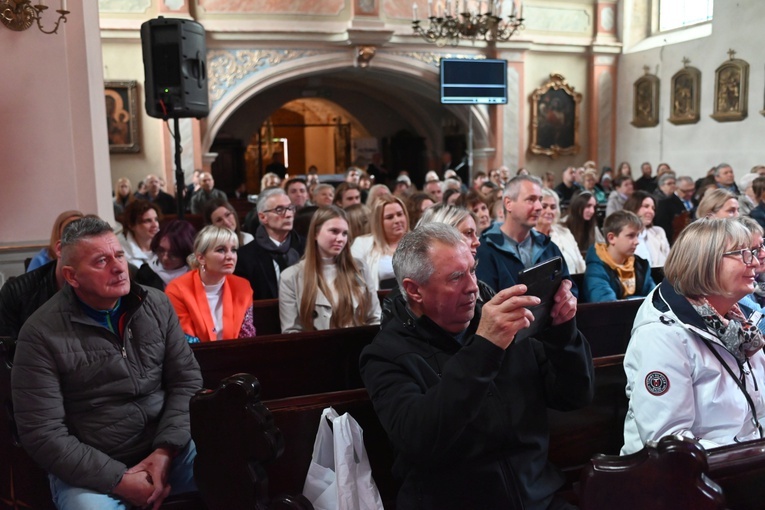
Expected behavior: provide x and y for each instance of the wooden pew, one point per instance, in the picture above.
(677, 473)
(740, 470)
(668, 476)
(289, 364)
(607, 326)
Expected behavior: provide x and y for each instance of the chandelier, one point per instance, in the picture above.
(450, 22)
(19, 15)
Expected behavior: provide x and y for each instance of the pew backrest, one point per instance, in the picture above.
(290, 364)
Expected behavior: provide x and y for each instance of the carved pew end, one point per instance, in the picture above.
(667, 476)
(235, 438)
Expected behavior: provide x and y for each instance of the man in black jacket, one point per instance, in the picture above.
(464, 404)
(22, 295)
(677, 203)
(275, 248)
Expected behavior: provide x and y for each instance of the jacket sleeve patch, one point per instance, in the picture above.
(656, 383)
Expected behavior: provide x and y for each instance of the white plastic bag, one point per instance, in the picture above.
(339, 477)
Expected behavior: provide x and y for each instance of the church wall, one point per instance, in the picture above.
(54, 148)
(693, 148)
(574, 69)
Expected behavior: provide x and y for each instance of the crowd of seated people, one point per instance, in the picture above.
(329, 278)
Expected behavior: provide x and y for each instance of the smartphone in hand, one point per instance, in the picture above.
(542, 281)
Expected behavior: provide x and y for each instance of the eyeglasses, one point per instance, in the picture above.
(161, 253)
(281, 211)
(747, 254)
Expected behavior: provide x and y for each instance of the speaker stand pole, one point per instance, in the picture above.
(180, 185)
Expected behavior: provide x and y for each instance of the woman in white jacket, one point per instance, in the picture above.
(695, 365)
(328, 288)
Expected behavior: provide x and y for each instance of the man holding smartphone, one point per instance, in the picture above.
(464, 405)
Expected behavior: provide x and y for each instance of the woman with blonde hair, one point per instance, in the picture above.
(123, 195)
(211, 302)
(389, 223)
(328, 288)
(48, 253)
(547, 223)
(718, 203)
(694, 364)
(270, 180)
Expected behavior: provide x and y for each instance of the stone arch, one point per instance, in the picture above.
(417, 77)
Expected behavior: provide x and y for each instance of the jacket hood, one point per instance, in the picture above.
(669, 306)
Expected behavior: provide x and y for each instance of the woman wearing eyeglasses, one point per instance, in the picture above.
(328, 288)
(171, 247)
(695, 365)
(211, 302)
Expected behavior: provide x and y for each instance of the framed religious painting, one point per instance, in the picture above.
(555, 118)
(645, 110)
(121, 116)
(685, 95)
(731, 90)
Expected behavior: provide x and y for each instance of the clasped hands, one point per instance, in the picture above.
(145, 484)
(508, 312)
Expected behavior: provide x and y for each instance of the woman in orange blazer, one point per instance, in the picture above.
(211, 303)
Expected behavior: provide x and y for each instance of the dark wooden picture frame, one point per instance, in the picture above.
(555, 118)
(645, 111)
(121, 116)
(731, 90)
(685, 95)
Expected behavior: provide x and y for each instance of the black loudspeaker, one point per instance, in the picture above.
(175, 65)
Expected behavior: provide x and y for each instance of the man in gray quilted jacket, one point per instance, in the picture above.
(101, 382)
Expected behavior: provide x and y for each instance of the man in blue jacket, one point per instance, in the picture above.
(509, 248)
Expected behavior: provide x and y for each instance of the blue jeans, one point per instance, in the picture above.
(67, 497)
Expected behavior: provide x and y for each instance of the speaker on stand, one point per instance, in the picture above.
(175, 66)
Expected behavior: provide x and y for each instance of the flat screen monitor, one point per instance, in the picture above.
(473, 81)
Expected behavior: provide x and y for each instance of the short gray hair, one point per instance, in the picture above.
(412, 257)
(669, 176)
(266, 195)
(684, 178)
(720, 167)
(513, 187)
(751, 224)
(82, 228)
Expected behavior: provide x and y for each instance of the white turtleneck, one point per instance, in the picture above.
(214, 294)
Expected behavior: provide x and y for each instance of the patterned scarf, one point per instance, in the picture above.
(739, 336)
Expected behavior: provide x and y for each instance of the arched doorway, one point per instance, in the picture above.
(394, 99)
